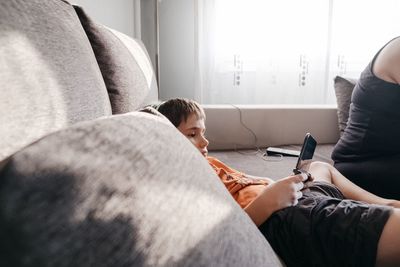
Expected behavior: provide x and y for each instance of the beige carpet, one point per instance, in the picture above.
(254, 163)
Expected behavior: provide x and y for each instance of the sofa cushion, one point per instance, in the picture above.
(124, 64)
(343, 90)
(123, 191)
(48, 72)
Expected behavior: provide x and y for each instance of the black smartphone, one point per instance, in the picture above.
(306, 154)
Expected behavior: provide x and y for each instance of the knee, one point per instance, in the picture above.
(322, 166)
(321, 171)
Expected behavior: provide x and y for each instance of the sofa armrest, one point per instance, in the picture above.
(122, 191)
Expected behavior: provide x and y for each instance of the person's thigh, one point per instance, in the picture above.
(388, 253)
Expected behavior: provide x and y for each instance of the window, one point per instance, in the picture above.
(277, 52)
(267, 52)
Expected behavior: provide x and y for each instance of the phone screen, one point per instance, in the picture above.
(306, 153)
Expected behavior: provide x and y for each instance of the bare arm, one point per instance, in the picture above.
(387, 64)
(278, 195)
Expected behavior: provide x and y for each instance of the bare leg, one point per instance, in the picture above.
(388, 253)
(322, 171)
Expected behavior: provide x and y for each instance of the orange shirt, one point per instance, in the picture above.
(243, 189)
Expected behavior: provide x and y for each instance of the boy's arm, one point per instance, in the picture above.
(281, 194)
(260, 209)
(269, 180)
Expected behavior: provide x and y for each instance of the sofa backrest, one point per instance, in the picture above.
(124, 64)
(48, 72)
(59, 67)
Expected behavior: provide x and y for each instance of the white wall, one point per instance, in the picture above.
(148, 21)
(273, 125)
(176, 37)
(116, 14)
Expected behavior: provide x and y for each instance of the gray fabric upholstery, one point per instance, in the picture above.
(48, 73)
(124, 64)
(111, 192)
(343, 91)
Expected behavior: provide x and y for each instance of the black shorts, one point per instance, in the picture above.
(324, 229)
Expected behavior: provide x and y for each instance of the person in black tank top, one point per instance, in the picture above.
(368, 153)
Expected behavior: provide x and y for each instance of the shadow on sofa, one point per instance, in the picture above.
(114, 200)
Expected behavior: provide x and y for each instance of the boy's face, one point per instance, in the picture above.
(194, 129)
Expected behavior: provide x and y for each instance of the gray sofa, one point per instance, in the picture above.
(85, 179)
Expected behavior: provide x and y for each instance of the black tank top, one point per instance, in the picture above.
(373, 128)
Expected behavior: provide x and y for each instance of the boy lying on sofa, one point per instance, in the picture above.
(328, 222)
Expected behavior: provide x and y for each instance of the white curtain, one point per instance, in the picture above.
(287, 51)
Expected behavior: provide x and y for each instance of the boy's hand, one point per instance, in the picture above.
(278, 195)
(310, 178)
(286, 192)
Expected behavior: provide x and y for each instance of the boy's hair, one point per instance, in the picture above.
(179, 109)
